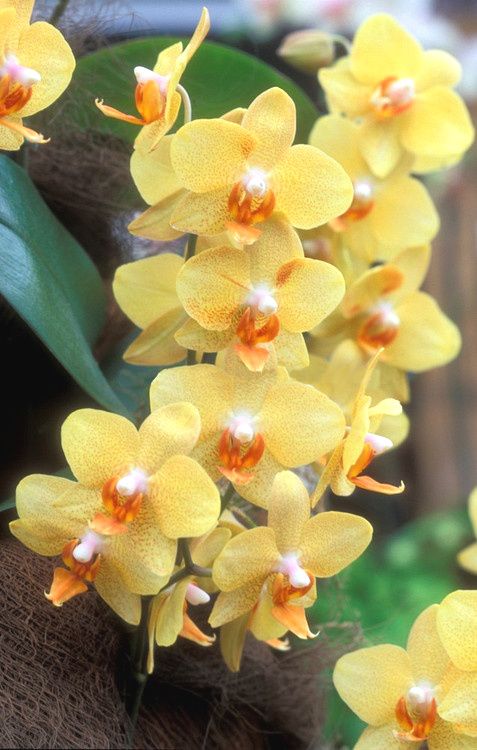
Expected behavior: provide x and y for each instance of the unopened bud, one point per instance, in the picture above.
(308, 50)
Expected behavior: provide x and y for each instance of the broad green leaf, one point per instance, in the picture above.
(51, 283)
(218, 79)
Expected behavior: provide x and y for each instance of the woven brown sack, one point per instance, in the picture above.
(59, 688)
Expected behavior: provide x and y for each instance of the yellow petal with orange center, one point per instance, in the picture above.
(201, 213)
(413, 264)
(438, 68)
(146, 289)
(168, 431)
(429, 659)
(263, 625)
(155, 223)
(43, 48)
(41, 527)
(459, 705)
(372, 680)
(380, 145)
(206, 386)
(184, 498)
(232, 641)
(146, 166)
(380, 738)
(152, 134)
(116, 595)
(247, 558)
(307, 291)
(456, 620)
(344, 93)
(300, 423)
(288, 510)
(438, 124)
(271, 120)
(426, 337)
(98, 445)
(210, 154)
(213, 285)
(383, 48)
(230, 605)
(404, 197)
(310, 187)
(331, 541)
(370, 288)
(157, 345)
(338, 137)
(445, 736)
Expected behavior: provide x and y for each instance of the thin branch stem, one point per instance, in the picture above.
(227, 496)
(186, 103)
(61, 6)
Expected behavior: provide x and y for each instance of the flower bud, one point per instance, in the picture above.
(308, 50)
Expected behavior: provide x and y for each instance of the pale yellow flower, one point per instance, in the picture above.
(36, 65)
(266, 575)
(426, 692)
(386, 214)
(402, 95)
(253, 425)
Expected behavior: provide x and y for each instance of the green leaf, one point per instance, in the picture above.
(50, 282)
(218, 79)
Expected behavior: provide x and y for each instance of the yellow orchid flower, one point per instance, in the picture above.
(157, 97)
(468, 557)
(145, 290)
(36, 65)
(137, 492)
(239, 175)
(402, 95)
(168, 617)
(266, 294)
(266, 575)
(253, 425)
(423, 693)
(159, 185)
(361, 444)
(382, 309)
(386, 214)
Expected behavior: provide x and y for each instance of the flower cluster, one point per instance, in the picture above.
(295, 316)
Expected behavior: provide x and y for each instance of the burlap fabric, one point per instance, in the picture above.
(61, 674)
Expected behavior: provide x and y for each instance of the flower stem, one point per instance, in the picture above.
(139, 674)
(227, 496)
(186, 103)
(58, 12)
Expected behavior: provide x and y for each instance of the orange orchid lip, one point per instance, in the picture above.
(379, 329)
(415, 721)
(253, 355)
(392, 97)
(368, 483)
(238, 459)
(123, 509)
(291, 615)
(69, 583)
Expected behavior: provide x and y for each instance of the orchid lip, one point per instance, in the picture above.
(290, 567)
(261, 297)
(242, 427)
(91, 544)
(132, 483)
(19, 73)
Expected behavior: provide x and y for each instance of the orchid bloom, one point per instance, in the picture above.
(169, 615)
(386, 214)
(266, 575)
(145, 290)
(36, 65)
(253, 425)
(361, 444)
(157, 98)
(159, 185)
(137, 492)
(239, 175)
(402, 95)
(468, 557)
(254, 298)
(423, 693)
(382, 309)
